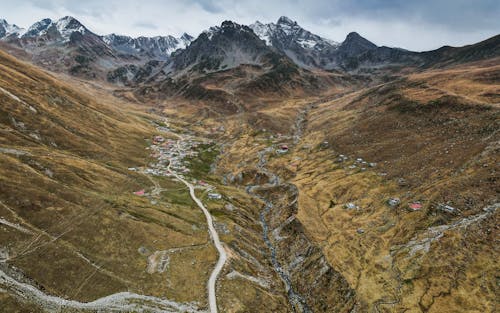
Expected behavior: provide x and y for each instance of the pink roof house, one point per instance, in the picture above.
(139, 193)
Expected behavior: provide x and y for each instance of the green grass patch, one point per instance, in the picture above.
(180, 197)
(200, 164)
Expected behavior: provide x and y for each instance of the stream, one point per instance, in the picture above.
(296, 300)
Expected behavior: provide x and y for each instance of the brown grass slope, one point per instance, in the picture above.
(434, 138)
(63, 176)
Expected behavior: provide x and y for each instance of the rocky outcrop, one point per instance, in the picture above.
(222, 48)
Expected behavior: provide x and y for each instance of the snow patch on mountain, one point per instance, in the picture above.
(159, 46)
(7, 29)
(67, 25)
(38, 29)
(263, 31)
(287, 32)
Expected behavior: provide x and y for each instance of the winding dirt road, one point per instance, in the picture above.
(212, 299)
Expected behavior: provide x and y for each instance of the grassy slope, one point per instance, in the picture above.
(439, 132)
(67, 182)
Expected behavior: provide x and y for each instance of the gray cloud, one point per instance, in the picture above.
(453, 14)
(208, 5)
(415, 25)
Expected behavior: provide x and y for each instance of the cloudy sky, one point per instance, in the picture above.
(415, 25)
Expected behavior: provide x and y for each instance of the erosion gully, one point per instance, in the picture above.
(297, 302)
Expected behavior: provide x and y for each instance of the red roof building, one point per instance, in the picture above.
(139, 193)
(415, 206)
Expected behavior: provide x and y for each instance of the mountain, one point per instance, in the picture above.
(66, 45)
(354, 44)
(159, 47)
(222, 47)
(216, 49)
(38, 28)
(9, 30)
(357, 53)
(312, 51)
(219, 67)
(445, 56)
(60, 30)
(302, 46)
(282, 58)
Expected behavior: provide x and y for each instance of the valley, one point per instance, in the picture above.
(257, 168)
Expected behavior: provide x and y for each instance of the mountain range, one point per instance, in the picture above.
(284, 47)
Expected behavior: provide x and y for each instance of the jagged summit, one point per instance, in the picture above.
(228, 27)
(186, 37)
(287, 32)
(302, 46)
(68, 29)
(158, 47)
(68, 25)
(7, 30)
(283, 20)
(61, 29)
(38, 28)
(222, 47)
(355, 44)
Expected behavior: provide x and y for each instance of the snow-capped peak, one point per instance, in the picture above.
(39, 28)
(229, 27)
(283, 20)
(68, 25)
(263, 31)
(185, 40)
(287, 32)
(64, 27)
(159, 46)
(7, 29)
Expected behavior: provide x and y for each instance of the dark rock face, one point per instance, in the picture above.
(67, 45)
(38, 28)
(3, 30)
(302, 46)
(222, 48)
(354, 45)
